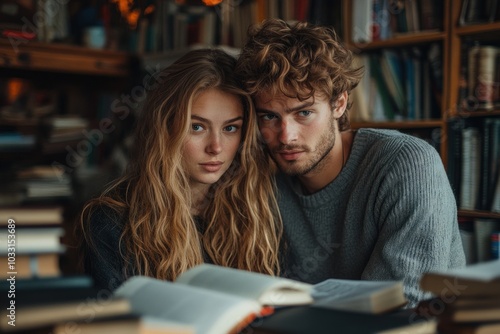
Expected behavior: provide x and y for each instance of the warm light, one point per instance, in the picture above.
(14, 89)
(211, 2)
(130, 14)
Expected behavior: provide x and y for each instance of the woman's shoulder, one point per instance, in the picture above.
(104, 220)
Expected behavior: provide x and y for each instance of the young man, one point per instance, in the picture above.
(367, 204)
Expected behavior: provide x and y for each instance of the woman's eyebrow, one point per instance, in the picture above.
(205, 120)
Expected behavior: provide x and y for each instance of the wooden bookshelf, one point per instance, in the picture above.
(450, 38)
(51, 57)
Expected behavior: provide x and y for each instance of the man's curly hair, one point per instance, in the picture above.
(298, 61)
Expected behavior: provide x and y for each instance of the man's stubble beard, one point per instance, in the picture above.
(318, 162)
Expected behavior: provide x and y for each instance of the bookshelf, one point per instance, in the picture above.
(455, 38)
(56, 119)
(396, 40)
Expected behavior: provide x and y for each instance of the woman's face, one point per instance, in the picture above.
(216, 127)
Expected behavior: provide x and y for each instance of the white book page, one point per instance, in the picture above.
(268, 290)
(207, 311)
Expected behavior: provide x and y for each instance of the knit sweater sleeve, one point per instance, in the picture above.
(103, 261)
(417, 219)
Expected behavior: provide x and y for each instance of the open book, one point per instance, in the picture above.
(215, 299)
(211, 298)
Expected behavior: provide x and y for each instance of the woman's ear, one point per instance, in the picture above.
(340, 105)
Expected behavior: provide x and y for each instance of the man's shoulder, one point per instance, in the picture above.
(386, 141)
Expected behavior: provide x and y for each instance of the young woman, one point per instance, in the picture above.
(199, 188)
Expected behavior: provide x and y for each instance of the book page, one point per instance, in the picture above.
(267, 290)
(362, 296)
(339, 289)
(207, 311)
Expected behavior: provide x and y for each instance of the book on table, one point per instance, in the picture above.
(462, 309)
(476, 280)
(211, 298)
(127, 324)
(217, 299)
(206, 298)
(467, 299)
(306, 320)
(469, 328)
(359, 296)
(40, 302)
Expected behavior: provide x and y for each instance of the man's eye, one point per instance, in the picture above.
(268, 117)
(196, 127)
(305, 113)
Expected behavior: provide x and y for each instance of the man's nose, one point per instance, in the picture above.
(288, 132)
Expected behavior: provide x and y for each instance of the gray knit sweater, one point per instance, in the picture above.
(389, 215)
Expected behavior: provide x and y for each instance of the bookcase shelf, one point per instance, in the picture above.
(41, 83)
(407, 39)
(35, 56)
(453, 119)
(418, 39)
(478, 214)
(477, 28)
(466, 114)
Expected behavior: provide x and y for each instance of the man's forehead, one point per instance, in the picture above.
(264, 100)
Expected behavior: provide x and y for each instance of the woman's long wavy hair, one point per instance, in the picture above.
(242, 226)
(297, 60)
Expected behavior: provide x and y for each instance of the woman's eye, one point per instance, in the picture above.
(231, 128)
(196, 127)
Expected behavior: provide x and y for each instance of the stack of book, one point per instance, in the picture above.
(467, 300)
(62, 131)
(30, 239)
(36, 185)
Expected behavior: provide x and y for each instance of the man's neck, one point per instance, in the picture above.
(332, 166)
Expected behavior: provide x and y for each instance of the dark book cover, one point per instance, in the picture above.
(306, 319)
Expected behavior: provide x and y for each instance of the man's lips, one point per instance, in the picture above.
(290, 155)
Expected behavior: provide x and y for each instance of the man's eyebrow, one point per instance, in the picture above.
(296, 108)
(205, 120)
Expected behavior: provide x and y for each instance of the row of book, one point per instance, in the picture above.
(480, 77)
(474, 162)
(42, 20)
(477, 11)
(479, 238)
(383, 19)
(174, 26)
(399, 85)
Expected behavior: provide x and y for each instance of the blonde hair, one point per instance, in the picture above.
(160, 237)
(297, 61)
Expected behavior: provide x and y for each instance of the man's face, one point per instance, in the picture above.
(300, 135)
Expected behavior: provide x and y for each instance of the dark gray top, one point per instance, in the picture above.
(389, 215)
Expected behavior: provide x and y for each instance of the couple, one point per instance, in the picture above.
(366, 204)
